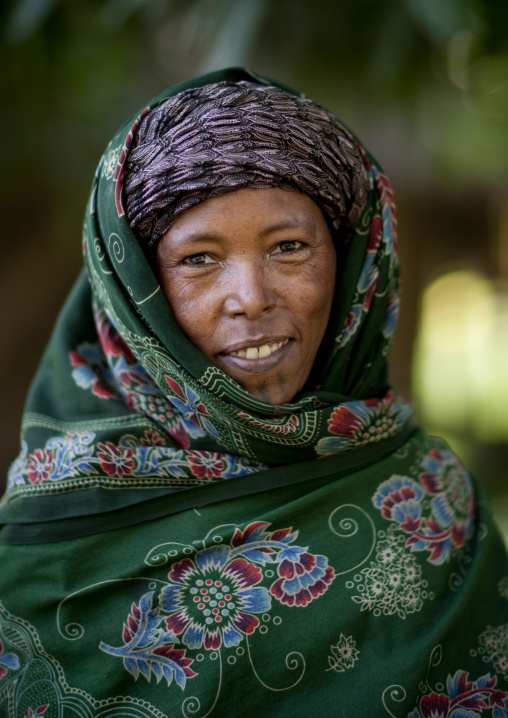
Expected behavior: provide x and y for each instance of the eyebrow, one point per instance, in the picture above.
(200, 237)
(286, 224)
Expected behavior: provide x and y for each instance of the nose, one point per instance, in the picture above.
(248, 291)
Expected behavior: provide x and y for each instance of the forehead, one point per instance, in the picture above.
(262, 210)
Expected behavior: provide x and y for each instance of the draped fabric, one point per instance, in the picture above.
(221, 137)
(170, 545)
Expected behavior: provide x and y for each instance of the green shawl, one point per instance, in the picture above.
(171, 546)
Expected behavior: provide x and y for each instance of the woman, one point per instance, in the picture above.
(220, 507)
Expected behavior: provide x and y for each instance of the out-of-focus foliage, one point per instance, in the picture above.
(72, 69)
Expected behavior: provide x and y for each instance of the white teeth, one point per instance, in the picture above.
(261, 352)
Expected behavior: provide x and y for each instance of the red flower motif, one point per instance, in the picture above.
(111, 341)
(87, 376)
(435, 706)
(38, 711)
(387, 200)
(453, 502)
(303, 577)
(40, 466)
(77, 359)
(290, 426)
(376, 233)
(176, 655)
(344, 422)
(100, 390)
(206, 464)
(497, 698)
(367, 300)
(115, 460)
(152, 438)
(213, 602)
(358, 423)
(179, 435)
(464, 698)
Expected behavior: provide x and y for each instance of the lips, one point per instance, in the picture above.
(256, 355)
(259, 352)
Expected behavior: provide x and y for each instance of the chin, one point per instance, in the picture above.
(271, 392)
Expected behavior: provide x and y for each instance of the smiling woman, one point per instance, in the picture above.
(220, 506)
(250, 278)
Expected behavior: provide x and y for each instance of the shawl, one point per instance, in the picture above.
(172, 546)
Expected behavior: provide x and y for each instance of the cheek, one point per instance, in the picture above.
(313, 297)
(192, 306)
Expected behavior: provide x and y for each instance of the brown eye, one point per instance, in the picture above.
(196, 259)
(290, 245)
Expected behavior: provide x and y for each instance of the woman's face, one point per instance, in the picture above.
(250, 278)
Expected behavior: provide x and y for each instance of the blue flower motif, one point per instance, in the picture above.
(192, 410)
(303, 576)
(399, 500)
(212, 600)
(148, 648)
(352, 324)
(7, 660)
(391, 316)
(387, 230)
(368, 274)
(357, 423)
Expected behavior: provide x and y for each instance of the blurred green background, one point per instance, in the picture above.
(423, 83)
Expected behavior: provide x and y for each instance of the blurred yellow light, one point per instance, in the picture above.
(460, 363)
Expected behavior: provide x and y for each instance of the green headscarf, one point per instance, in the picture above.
(124, 401)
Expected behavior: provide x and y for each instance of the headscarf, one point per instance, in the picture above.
(225, 136)
(124, 401)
